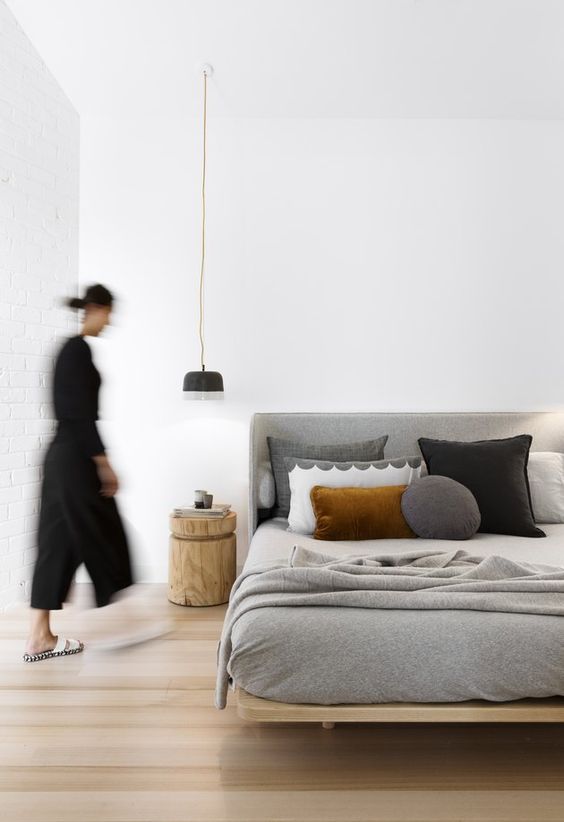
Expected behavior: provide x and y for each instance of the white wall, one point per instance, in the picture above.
(398, 264)
(39, 138)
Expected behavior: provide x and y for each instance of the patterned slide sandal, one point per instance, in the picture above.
(64, 647)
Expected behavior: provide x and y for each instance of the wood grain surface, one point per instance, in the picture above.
(202, 572)
(524, 710)
(202, 560)
(202, 527)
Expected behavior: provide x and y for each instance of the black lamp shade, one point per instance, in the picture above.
(203, 385)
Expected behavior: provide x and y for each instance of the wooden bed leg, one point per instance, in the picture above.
(328, 725)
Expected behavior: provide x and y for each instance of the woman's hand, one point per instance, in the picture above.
(107, 476)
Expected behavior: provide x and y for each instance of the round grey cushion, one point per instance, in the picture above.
(438, 507)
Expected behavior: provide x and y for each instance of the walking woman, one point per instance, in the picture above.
(79, 520)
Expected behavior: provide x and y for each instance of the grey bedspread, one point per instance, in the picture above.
(343, 660)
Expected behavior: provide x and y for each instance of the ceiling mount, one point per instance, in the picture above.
(205, 68)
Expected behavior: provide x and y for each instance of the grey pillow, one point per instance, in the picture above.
(365, 451)
(438, 507)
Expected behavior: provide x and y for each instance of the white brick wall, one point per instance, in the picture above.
(39, 141)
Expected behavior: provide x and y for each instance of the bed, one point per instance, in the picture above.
(307, 663)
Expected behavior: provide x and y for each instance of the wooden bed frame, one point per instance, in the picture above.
(524, 710)
(547, 429)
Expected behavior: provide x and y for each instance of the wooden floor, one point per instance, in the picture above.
(132, 736)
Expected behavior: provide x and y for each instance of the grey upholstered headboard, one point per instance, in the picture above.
(403, 430)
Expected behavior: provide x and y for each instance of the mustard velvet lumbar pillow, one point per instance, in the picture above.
(359, 513)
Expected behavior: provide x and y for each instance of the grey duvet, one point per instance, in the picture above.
(420, 626)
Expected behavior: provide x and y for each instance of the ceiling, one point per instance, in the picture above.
(305, 58)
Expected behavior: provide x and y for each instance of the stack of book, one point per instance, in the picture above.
(215, 512)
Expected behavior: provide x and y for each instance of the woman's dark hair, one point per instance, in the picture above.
(96, 294)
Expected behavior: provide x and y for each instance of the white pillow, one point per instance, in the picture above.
(546, 479)
(304, 474)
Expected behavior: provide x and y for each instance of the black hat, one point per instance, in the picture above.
(97, 294)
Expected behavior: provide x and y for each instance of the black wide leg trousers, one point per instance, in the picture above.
(77, 525)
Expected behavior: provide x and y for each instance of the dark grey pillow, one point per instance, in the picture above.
(365, 451)
(496, 473)
(440, 508)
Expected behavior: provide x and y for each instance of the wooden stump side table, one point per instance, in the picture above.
(203, 559)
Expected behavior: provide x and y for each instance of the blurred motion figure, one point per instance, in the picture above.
(79, 520)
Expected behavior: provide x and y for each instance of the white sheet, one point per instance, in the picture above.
(272, 540)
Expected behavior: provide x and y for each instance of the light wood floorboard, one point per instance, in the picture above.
(132, 736)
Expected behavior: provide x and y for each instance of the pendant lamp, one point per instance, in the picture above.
(202, 384)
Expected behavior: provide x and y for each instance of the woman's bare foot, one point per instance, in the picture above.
(38, 644)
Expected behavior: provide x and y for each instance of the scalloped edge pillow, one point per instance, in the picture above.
(304, 474)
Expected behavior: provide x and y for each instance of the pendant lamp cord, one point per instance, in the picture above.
(203, 256)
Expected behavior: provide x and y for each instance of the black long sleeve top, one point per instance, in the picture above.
(76, 384)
